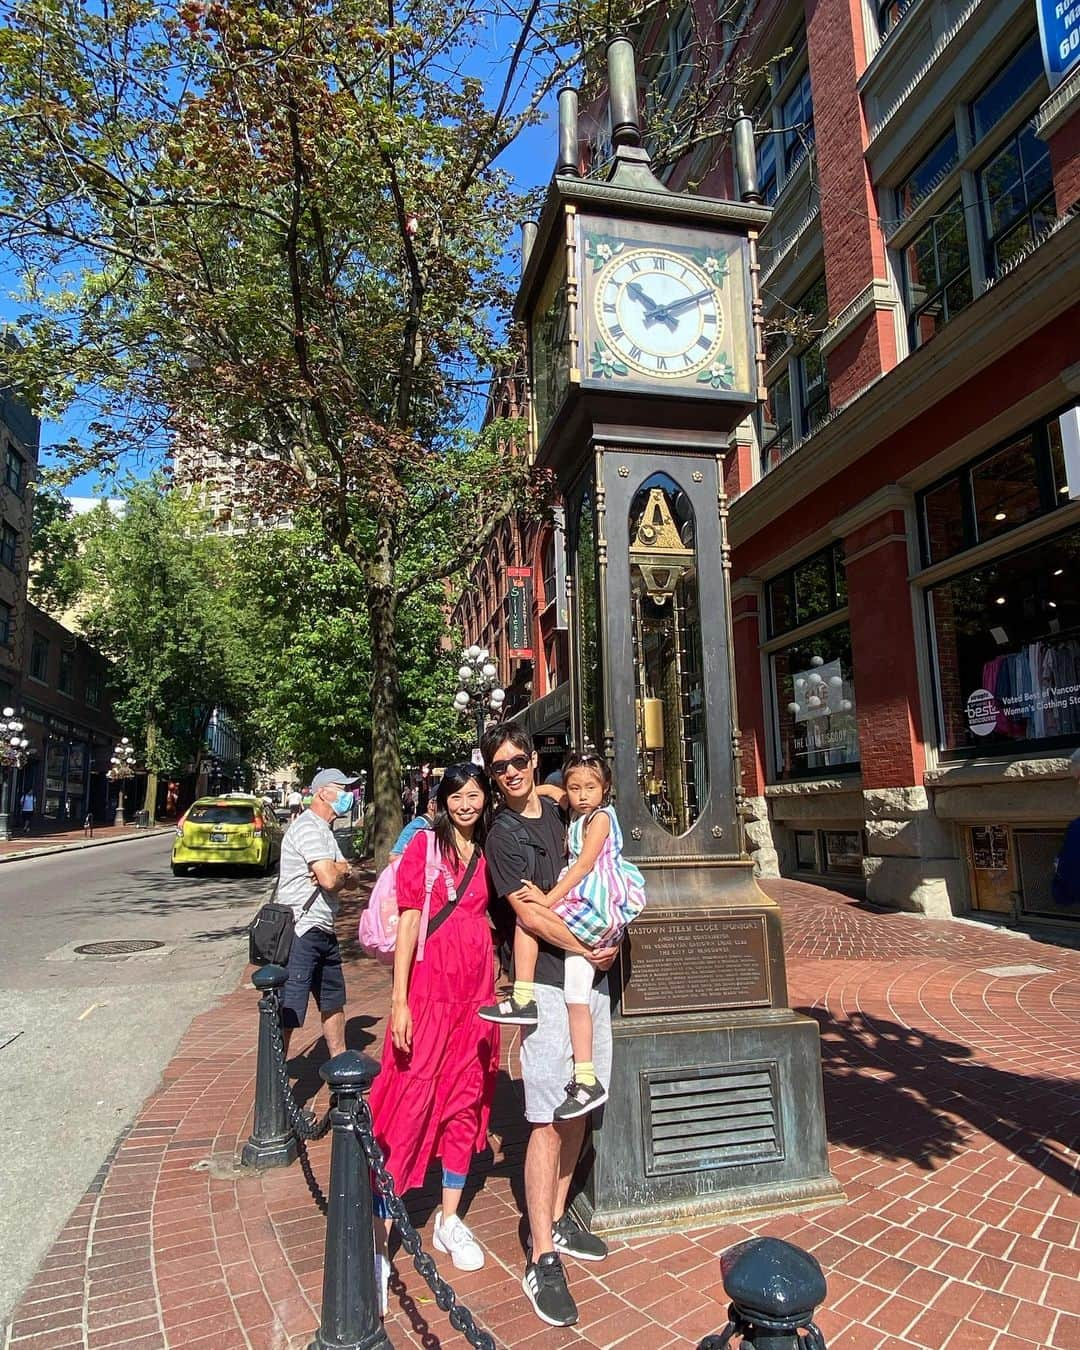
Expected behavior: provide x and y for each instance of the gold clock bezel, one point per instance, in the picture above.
(647, 253)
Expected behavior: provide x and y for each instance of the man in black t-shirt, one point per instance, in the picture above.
(527, 842)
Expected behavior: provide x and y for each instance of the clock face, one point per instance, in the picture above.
(660, 312)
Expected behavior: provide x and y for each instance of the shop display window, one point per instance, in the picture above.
(806, 851)
(814, 705)
(1006, 640)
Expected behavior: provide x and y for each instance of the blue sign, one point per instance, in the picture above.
(1059, 29)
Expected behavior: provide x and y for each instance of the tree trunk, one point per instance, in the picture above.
(150, 803)
(385, 746)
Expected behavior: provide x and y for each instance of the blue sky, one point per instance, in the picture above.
(530, 161)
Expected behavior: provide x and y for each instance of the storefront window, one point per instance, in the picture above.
(814, 702)
(1006, 489)
(1007, 651)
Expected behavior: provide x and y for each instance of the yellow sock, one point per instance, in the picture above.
(524, 992)
(585, 1073)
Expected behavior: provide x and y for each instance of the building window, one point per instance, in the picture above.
(7, 624)
(1006, 89)
(1016, 190)
(813, 689)
(937, 273)
(66, 682)
(992, 495)
(93, 689)
(798, 386)
(15, 471)
(889, 14)
(1007, 651)
(797, 123)
(930, 173)
(39, 658)
(777, 438)
(9, 545)
(766, 156)
(806, 851)
(812, 590)
(676, 60)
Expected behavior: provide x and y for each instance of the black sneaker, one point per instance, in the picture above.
(510, 1014)
(568, 1236)
(545, 1288)
(581, 1098)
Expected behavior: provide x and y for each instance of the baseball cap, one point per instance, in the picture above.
(332, 778)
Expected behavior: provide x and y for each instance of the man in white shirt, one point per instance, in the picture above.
(312, 871)
(295, 803)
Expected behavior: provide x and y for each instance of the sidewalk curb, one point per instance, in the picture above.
(46, 849)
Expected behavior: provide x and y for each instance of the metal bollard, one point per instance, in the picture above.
(272, 1142)
(350, 1302)
(774, 1289)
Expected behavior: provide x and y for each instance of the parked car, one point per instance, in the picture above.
(231, 828)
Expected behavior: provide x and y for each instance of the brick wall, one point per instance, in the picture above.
(1065, 163)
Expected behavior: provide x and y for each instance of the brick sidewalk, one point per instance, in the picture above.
(951, 1056)
(56, 841)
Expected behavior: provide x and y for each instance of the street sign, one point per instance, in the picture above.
(1059, 32)
(519, 608)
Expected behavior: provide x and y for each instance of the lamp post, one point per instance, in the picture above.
(13, 747)
(478, 687)
(121, 768)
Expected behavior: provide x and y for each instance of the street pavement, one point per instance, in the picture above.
(84, 1040)
(951, 1064)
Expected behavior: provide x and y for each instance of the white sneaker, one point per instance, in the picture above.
(382, 1282)
(453, 1237)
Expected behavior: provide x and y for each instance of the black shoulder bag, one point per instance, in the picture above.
(270, 933)
(454, 892)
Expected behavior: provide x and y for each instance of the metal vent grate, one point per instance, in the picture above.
(711, 1117)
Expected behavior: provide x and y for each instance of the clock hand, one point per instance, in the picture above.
(662, 313)
(651, 308)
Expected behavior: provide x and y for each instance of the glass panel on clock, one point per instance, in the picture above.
(669, 705)
(586, 579)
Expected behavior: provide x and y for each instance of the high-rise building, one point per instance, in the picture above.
(905, 545)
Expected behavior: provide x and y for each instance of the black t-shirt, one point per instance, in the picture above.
(519, 848)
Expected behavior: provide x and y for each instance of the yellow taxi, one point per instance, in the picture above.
(232, 828)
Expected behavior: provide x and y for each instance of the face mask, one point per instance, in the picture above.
(343, 804)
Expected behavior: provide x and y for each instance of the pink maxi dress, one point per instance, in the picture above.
(435, 1101)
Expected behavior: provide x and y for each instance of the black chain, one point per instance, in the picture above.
(461, 1319)
(305, 1125)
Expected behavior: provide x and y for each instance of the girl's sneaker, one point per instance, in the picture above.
(382, 1282)
(581, 1098)
(451, 1235)
(510, 1014)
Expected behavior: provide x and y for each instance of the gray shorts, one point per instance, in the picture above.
(546, 1061)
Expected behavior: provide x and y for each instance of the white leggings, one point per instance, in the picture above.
(578, 975)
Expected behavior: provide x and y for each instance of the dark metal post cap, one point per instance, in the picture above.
(349, 1070)
(269, 977)
(767, 1276)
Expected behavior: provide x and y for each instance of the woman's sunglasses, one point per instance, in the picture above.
(499, 767)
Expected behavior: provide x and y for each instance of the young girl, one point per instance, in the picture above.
(596, 896)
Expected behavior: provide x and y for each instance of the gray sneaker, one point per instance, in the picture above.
(581, 1098)
(545, 1288)
(571, 1239)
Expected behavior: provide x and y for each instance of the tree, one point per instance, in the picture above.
(55, 565)
(166, 601)
(272, 235)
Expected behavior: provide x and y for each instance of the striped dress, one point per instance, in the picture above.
(598, 909)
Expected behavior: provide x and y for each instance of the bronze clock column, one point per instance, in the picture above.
(645, 354)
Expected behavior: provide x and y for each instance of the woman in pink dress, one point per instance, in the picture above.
(432, 1096)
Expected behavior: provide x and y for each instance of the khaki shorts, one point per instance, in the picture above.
(547, 1064)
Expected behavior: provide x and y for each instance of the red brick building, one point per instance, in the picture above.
(905, 550)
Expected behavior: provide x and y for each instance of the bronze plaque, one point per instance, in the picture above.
(695, 964)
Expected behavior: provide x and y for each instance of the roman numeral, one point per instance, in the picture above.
(661, 364)
(704, 342)
(634, 265)
(660, 264)
(616, 331)
(687, 359)
(635, 353)
(709, 317)
(609, 309)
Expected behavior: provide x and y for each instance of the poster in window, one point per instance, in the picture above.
(989, 847)
(822, 708)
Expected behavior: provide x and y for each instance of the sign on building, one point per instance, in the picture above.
(1059, 31)
(518, 611)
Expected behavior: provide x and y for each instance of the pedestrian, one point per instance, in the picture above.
(1065, 885)
(597, 895)
(312, 872)
(295, 802)
(421, 821)
(27, 806)
(527, 842)
(408, 803)
(432, 1096)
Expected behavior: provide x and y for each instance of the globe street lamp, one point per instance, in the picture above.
(13, 755)
(121, 768)
(478, 687)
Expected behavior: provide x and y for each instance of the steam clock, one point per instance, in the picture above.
(644, 349)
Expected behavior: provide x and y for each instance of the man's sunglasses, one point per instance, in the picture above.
(499, 767)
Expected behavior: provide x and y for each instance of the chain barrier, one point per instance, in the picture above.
(461, 1319)
(304, 1124)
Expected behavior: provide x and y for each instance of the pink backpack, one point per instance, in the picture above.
(379, 922)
